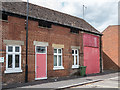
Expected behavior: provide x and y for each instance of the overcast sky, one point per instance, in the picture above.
(99, 13)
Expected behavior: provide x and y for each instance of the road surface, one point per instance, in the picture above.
(107, 83)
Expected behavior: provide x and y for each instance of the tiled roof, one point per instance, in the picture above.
(39, 12)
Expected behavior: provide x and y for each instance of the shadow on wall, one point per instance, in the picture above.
(108, 63)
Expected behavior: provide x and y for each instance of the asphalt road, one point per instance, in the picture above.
(106, 83)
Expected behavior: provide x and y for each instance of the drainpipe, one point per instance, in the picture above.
(26, 66)
(100, 54)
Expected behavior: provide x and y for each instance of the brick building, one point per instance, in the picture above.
(111, 48)
(58, 43)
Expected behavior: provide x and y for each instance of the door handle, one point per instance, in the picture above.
(37, 66)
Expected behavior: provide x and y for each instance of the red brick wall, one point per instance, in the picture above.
(14, 29)
(110, 48)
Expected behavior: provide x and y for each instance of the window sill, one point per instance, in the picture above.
(58, 68)
(13, 71)
(75, 66)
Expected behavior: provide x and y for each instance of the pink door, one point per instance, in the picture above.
(41, 69)
(91, 60)
(91, 53)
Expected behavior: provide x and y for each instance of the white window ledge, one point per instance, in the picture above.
(58, 67)
(75, 66)
(13, 71)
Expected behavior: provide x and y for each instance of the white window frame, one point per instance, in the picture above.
(57, 54)
(74, 55)
(13, 69)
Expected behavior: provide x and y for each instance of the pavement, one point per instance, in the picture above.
(76, 82)
(66, 83)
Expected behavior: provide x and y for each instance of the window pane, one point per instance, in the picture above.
(55, 50)
(10, 49)
(40, 49)
(9, 61)
(60, 61)
(17, 49)
(55, 60)
(72, 51)
(16, 60)
(75, 51)
(59, 51)
(73, 59)
(76, 60)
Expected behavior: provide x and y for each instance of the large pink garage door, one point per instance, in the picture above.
(91, 53)
(41, 70)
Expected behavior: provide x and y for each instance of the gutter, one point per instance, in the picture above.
(79, 84)
(26, 66)
(100, 53)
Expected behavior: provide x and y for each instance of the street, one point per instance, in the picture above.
(107, 83)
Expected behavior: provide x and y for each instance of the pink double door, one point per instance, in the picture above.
(41, 63)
